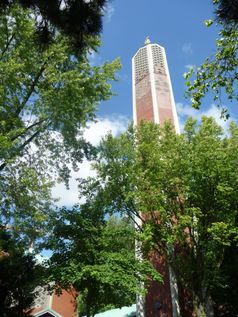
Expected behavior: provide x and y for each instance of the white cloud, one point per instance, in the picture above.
(68, 197)
(93, 134)
(97, 130)
(124, 77)
(40, 258)
(109, 11)
(189, 66)
(185, 111)
(187, 48)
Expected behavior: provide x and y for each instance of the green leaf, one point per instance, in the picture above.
(208, 23)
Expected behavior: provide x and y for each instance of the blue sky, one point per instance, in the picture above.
(176, 25)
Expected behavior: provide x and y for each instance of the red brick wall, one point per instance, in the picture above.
(144, 108)
(65, 304)
(164, 100)
(158, 292)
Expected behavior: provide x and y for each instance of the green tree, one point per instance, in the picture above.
(218, 74)
(227, 10)
(19, 275)
(77, 19)
(186, 188)
(47, 96)
(97, 257)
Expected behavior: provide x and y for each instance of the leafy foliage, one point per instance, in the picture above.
(47, 96)
(185, 186)
(19, 275)
(97, 257)
(227, 10)
(218, 74)
(77, 19)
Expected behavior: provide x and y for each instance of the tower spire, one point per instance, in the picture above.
(147, 40)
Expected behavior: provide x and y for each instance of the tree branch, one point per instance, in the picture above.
(27, 129)
(7, 45)
(31, 89)
(29, 140)
(34, 135)
(2, 166)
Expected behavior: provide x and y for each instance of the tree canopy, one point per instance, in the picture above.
(97, 257)
(19, 275)
(218, 74)
(78, 20)
(47, 96)
(185, 186)
(227, 10)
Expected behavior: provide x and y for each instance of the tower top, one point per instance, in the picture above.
(147, 40)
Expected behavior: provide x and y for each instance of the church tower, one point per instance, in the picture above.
(153, 101)
(153, 98)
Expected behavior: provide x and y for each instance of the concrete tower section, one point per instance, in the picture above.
(153, 101)
(153, 98)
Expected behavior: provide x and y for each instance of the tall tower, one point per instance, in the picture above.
(153, 100)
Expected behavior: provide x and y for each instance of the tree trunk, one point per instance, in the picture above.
(209, 307)
(203, 307)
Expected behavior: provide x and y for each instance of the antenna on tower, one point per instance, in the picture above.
(147, 40)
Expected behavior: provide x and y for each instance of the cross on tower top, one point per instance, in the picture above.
(147, 40)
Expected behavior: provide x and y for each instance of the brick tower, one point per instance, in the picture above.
(153, 100)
